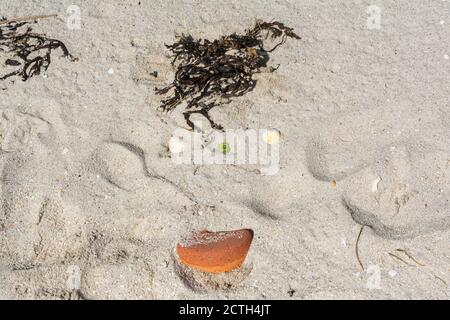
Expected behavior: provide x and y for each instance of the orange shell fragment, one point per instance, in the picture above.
(215, 252)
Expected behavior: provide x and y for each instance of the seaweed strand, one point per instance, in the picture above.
(211, 73)
(28, 52)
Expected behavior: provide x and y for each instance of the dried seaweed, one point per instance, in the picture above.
(357, 248)
(410, 256)
(27, 53)
(210, 73)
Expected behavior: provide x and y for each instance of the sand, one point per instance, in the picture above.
(93, 205)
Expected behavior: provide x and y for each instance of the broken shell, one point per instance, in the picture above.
(272, 137)
(215, 252)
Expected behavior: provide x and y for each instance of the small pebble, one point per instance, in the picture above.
(392, 273)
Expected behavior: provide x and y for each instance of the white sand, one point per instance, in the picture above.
(92, 201)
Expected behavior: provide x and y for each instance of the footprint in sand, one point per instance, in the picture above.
(331, 160)
(31, 193)
(137, 162)
(118, 269)
(394, 183)
(52, 282)
(404, 195)
(121, 164)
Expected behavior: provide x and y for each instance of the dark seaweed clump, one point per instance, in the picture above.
(27, 53)
(210, 73)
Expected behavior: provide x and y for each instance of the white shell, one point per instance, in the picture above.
(176, 145)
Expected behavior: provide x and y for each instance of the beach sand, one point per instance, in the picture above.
(93, 205)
